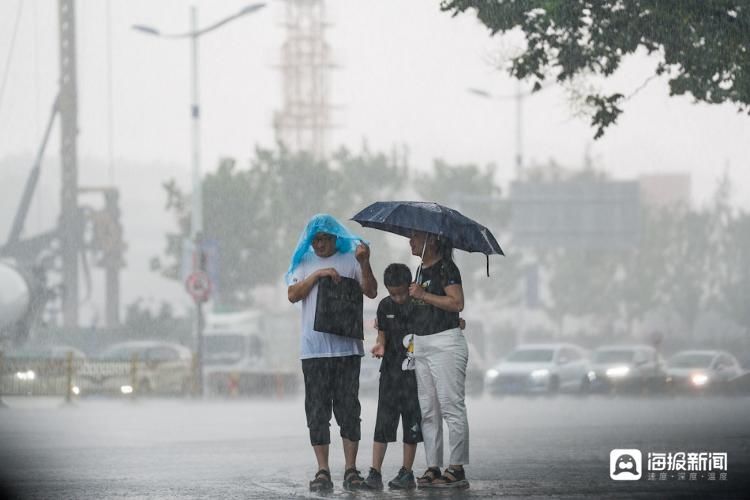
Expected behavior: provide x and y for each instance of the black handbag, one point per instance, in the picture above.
(338, 309)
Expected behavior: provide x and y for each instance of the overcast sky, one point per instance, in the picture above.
(405, 68)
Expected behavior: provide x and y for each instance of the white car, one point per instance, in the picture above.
(700, 371)
(539, 368)
(146, 367)
(635, 368)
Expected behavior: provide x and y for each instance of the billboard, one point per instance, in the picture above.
(582, 214)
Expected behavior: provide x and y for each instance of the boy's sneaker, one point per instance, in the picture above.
(374, 480)
(404, 480)
(353, 480)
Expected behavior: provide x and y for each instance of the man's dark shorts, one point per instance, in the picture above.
(332, 384)
(397, 398)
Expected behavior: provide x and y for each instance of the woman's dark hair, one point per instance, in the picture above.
(445, 248)
(397, 275)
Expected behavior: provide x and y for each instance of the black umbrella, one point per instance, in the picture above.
(403, 217)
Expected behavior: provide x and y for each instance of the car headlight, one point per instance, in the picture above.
(591, 376)
(699, 379)
(618, 371)
(492, 373)
(126, 389)
(75, 390)
(27, 375)
(540, 373)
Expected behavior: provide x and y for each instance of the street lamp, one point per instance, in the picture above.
(198, 284)
(518, 97)
(196, 219)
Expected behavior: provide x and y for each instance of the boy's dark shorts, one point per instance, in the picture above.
(397, 398)
(332, 384)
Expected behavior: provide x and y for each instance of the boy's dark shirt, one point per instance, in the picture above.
(393, 320)
(427, 319)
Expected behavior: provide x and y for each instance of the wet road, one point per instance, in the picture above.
(521, 448)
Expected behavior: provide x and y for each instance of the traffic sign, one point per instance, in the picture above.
(198, 285)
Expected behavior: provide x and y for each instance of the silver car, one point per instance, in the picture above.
(146, 367)
(702, 371)
(627, 368)
(539, 368)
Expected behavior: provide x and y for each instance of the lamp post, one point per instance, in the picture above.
(518, 96)
(199, 293)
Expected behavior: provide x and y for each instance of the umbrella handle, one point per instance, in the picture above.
(419, 269)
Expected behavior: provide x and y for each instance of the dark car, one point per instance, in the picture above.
(703, 371)
(627, 368)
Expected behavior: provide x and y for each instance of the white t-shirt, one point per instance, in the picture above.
(315, 344)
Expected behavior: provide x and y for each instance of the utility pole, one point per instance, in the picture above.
(198, 284)
(519, 132)
(70, 217)
(113, 260)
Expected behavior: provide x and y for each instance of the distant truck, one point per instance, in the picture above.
(251, 352)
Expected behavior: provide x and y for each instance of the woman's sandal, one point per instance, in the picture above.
(451, 478)
(322, 481)
(428, 478)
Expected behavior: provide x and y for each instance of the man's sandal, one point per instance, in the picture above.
(322, 481)
(451, 478)
(427, 479)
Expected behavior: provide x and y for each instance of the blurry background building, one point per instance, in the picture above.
(662, 190)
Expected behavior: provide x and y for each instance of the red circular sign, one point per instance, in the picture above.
(198, 285)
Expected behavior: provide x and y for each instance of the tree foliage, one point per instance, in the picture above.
(703, 47)
(687, 261)
(255, 214)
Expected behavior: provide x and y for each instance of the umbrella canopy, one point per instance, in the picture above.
(403, 217)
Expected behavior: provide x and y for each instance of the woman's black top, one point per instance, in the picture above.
(428, 319)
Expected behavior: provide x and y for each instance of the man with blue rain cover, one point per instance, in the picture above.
(326, 250)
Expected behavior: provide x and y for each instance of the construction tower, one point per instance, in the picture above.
(305, 120)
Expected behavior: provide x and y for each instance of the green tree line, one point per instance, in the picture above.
(686, 260)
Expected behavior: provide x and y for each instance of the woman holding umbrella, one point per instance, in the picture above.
(441, 356)
(440, 349)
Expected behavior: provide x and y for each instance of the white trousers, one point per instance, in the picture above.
(441, 361)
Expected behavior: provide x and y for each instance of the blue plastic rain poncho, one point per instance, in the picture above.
(346, 241)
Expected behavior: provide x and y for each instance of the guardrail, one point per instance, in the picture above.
(72, 376)
(38, 376)
(69, 377)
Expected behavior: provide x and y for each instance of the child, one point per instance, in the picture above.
(397, 395)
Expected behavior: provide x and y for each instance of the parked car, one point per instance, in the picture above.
(39, 370)
(140, 367)
(539, 368)
(627, 368)
(702, 371)
(475, 370)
